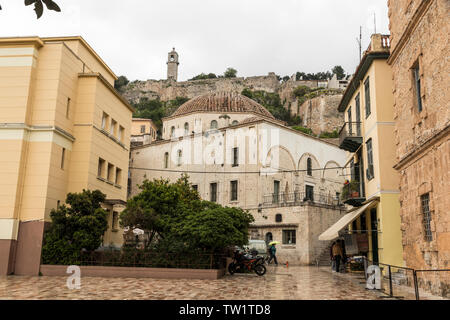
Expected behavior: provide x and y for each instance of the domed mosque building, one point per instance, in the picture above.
(238, 155)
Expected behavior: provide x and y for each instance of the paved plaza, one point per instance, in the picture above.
(280, 283)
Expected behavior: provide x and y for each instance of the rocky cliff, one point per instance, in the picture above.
(320, 114)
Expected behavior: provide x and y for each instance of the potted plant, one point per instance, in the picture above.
(350, 190)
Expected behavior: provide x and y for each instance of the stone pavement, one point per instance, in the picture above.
(280, 283)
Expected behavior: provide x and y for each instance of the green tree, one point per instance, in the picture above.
(339, 72)
(203, 76)
(121, 82)
(301, 91)
(78, 226)
(39, 6)
(230, 73)
(215, 227)
(169, 211)
(156, 109)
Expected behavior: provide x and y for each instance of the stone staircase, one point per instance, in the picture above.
(324, 258)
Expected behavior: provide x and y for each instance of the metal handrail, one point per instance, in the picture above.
(414, 271)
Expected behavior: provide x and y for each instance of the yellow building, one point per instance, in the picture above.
(63, 128)
(143, 131)
(367, 135)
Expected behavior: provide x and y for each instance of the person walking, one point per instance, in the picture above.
(273, 256)
(337, 254)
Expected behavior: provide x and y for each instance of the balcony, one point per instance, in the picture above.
(274, 200)
(350, 137)
(352, 194)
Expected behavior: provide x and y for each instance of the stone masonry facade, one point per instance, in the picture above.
(419, 39)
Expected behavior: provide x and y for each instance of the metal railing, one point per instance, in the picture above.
(143, 259)
(299, 198)
(350, 129)
(351, 191)
(409, 277)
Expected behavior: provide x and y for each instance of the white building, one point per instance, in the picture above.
(237, 154)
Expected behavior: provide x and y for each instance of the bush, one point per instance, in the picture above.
(303, 129)
(329, 135)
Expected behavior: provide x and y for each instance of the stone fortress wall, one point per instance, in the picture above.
(320, 114)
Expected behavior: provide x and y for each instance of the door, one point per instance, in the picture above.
(276, 191)
(374, 229)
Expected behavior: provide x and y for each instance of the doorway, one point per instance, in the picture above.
(374, 232)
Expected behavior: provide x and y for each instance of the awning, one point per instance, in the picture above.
(333, 232)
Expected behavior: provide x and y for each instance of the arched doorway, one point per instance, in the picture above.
(269, 237)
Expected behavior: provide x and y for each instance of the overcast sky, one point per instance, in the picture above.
(253, 36)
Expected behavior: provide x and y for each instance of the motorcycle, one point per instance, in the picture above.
(245, 261)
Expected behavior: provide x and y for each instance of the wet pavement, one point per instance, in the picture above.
(280, 283)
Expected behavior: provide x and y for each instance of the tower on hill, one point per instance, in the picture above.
(172, 65)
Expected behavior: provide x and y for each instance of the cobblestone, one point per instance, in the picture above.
(280, 283)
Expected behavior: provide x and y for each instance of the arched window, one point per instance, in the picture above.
(309, 167)
(166, 160)
(179, 157)
(186, 129)
(235, 123)
(214, 124)
(172, 132)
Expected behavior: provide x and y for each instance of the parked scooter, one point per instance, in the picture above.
(243, 261)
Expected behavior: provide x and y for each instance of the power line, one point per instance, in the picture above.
(231, 172)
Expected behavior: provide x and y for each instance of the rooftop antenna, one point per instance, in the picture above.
(375, 21)
(359, 40)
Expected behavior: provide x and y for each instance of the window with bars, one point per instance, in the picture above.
(289, 237)
(235, 157)
(234, 190)
(425, 200)
(213, 192)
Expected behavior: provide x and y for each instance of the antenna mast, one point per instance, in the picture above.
(375, 21)
(359, 40)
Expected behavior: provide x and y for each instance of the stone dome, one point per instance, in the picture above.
(222, 102)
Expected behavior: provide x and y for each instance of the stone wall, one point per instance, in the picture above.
(169, 90)
(308, 220)
(420, 31)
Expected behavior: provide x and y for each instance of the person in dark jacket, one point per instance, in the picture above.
(337, 254)
(273, 256)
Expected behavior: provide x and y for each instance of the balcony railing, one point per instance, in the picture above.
(299, 198)
(350, 136)
(352, 194)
